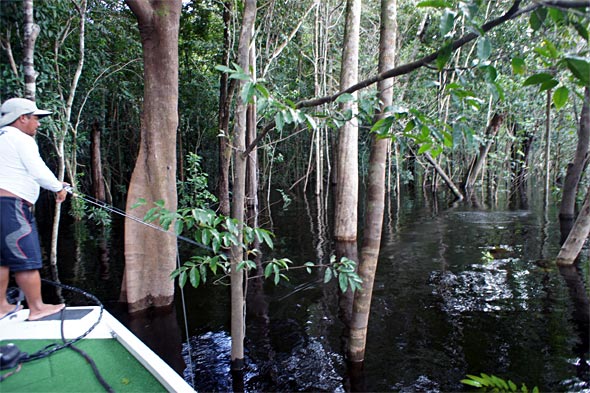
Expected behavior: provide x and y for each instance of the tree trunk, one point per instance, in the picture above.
(441, 172)
(150, 255)
(547, 146)
(346, 193)
(238, 325)
(225, 97)
(574, 171)
(491, 132)
(96, 162)
(59, 137)
(375, 205)
(579, 233)
(31, 31)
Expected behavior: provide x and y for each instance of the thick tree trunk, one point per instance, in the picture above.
(574, 171)
(346, 194)
(150, 255)
(375, 205)
(238, 325)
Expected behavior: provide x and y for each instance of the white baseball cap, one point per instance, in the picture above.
(13, 108)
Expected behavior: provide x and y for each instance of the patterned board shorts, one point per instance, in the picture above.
(20, 249)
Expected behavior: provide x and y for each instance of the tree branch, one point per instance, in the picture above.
(512, 13)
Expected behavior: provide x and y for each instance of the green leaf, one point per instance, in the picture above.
(262, 90)
(383, 125)
(346, 97)
(279, 120)
(580, 67)
(490, 74)
(537, 79)
(560, 97)
(512, 385)
(582, 30)
(195, 277)
(484, 49)
(447, 21)
(443, 56)
(434, 3)
(182, 279)
(518, 66)
(140, 202)
(268, 270)
(537, 18)
(471, 382)
(343, 282)
(248, 92)
(548, 85)
(424, 148)
(264, 236)
(555, 14)
(327, 275)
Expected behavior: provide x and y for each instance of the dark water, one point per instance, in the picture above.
(441, 308)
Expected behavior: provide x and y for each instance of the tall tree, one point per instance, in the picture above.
(238, 325)
(225, 97)
(150, 256)
(579, 232)
(574, 172)
(375, 202)
(346, 195)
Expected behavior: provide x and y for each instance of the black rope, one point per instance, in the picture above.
(90, 361)
(52, 348)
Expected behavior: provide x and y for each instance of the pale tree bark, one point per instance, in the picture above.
(375, 204)
(346, 193)
(226, 89)
(346, 171)
(150, 255)
(574, 171)
(31, 32)
(238, 305)
(59, 137)
(547, 147)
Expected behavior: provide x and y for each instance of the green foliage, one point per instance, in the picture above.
(495, 384)
(344, 271)
(429, 134)
(194, 192)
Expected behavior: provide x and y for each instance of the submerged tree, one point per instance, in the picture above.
(150, 256)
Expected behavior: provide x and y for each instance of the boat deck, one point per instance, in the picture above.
(124, 362)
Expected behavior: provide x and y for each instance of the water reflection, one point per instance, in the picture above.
(441, 308)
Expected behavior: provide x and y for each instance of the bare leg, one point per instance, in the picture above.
(5, 307)
(30, 282)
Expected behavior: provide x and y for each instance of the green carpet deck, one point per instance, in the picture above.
(68, 371)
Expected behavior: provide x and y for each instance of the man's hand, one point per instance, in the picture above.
(60, 196)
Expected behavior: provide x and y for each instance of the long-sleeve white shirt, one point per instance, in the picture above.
(22, 170)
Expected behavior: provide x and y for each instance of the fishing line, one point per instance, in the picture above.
(122, 213)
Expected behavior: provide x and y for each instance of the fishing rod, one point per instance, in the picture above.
(115, 210)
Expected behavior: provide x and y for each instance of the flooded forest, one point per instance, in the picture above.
(321, 195)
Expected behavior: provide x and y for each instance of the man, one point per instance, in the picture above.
(22, 173)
